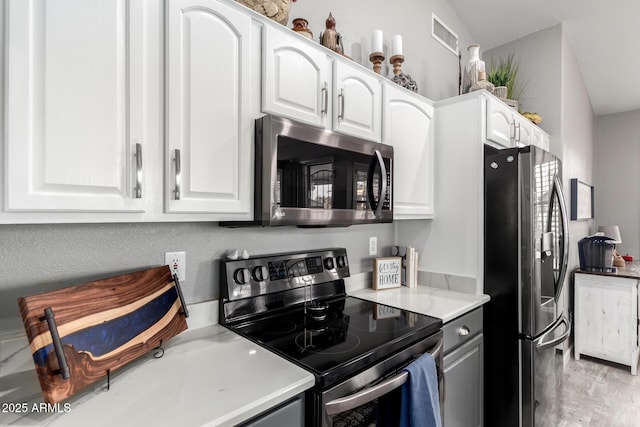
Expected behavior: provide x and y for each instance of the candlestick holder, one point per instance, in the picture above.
(399, 77)
(377, 58)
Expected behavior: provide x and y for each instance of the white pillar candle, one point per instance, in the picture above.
(376, 41)
(396, 45)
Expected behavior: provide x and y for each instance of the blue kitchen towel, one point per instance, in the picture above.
(420, 406)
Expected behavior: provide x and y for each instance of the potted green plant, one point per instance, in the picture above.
(504, 72)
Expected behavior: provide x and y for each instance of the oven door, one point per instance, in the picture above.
(372, 397)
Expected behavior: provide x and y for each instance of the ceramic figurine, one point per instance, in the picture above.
(278, 10)
(330, 38)
(301, 26)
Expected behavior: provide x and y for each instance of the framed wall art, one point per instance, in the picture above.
(581, 200)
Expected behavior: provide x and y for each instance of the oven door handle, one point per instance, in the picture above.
(352, 401)
(367, 395)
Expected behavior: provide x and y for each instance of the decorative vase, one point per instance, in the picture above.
(473, 68)
(300, 26)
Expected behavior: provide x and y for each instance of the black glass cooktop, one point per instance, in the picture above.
(350, 335)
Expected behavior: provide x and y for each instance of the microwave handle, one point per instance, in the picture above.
(377, 206)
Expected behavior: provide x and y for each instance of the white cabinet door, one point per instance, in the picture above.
(296, 79)
(408, 128)
(357, 102)
(75, 105)
(606, 315)
(500, 125)
(540, 138)
(209, 129)
(522, 131)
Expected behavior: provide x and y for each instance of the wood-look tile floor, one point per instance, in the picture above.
(594, 393)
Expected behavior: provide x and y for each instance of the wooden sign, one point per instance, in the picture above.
(386, 272)
(80, 333)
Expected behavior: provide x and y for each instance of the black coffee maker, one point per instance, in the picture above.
(596, 253)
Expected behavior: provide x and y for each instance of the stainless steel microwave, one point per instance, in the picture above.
(311, 177)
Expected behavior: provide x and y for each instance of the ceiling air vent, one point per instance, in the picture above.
(444, 35)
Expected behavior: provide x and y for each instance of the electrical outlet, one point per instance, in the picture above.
(373, 246)
(177, 262)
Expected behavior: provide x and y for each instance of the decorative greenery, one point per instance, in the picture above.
(505, 73)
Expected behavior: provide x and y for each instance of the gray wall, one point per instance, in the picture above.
(431, 65)
(617, 177)
(39, 258)
(540, 66)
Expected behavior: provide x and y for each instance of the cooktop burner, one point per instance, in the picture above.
(295, 305)
(355, 333)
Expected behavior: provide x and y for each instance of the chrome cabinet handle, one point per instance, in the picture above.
(341, 98)
(176, 189)
(518, 127)
(512, 138)
(325, 99)
(463, 331)
(138, 188)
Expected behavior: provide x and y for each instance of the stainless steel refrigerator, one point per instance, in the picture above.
(526, 252)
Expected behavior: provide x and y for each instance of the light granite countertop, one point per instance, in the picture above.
(433, 301)
(207, 376)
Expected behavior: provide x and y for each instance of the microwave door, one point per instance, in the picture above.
(377, 201)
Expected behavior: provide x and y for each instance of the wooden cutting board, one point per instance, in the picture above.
(102, 326)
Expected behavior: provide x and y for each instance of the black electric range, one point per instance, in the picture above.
(295, 305)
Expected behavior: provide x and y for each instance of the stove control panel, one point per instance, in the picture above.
(266, 274)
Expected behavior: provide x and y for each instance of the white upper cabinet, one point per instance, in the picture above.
(296, 78)
(500, 125)
(508, 128)
(76, 139)
(303, 82)
(358, 102)
(408, 127)
(208, 166)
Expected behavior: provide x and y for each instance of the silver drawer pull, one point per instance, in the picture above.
(138, 155)
(178, 176)
(463, 331)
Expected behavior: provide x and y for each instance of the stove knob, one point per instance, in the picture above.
(260, 273)
(342, 261)
(241, 276)
(329, 264)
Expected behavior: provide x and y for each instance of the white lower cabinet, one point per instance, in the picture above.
(463, 371)
(606, 318)
(408, 127)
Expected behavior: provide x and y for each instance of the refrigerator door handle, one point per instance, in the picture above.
(565, 234)
(541, 344)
